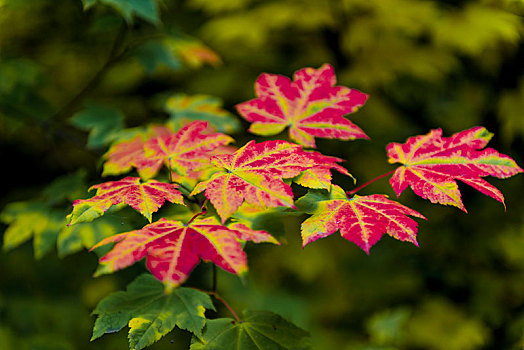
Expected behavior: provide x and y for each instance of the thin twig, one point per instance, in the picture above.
(219, 298)
(114, 55)
(214, 287)
(349, 193)
(203, 211)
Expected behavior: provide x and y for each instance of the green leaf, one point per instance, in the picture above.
(309, 202)
(146, 9)
(485, 26)
(103, 122)
(437, 321)
(28, 220)
(270, 220)
(155, 53)
(150, 312)
(260, 330)
(388, 327)
(66, 188)
(185, 108)
(85, 235)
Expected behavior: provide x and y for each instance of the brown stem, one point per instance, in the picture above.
(349, 193)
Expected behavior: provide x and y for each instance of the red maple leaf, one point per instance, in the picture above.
(254, 174)
(361, 219)
(185, 151)
(311, 105)
(145, 197)
(125, 155)
(432, 163)
(173, 249)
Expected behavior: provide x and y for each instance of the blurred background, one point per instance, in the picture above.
(75, 73)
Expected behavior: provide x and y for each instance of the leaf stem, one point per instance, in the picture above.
(215, 295)
(203, 211)
(214, 286)
(349, 193)
(219, 298)
(170, 170)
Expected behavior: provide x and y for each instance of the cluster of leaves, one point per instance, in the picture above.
(359, 23)
(255, 177)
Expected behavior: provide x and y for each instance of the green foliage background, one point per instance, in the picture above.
(426, 64)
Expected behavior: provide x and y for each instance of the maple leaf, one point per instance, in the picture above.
(102, 122)
(311, 105)
(173, 249)
(186, 150)
(186, 108)
(254, 174)
(192, 177)
(28, 220)
(85, 235)
(258, 330)
(125, 155)
(432, 163)
(150, 312)
(145, 197)
(182, 152)
(361, 219)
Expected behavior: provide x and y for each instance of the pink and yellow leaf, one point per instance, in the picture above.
(145, 197)
(360, 219)
(431, 164)
(311, 105)
(173, 249)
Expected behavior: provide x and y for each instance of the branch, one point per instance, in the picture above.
(114, 56)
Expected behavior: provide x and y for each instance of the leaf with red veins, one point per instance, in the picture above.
(432, 163)
(145, 197)
(254, 174)
(173, 249)
(311, 105)
(188, 149)
(125, 155)
(360, 219)
(319, 176)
